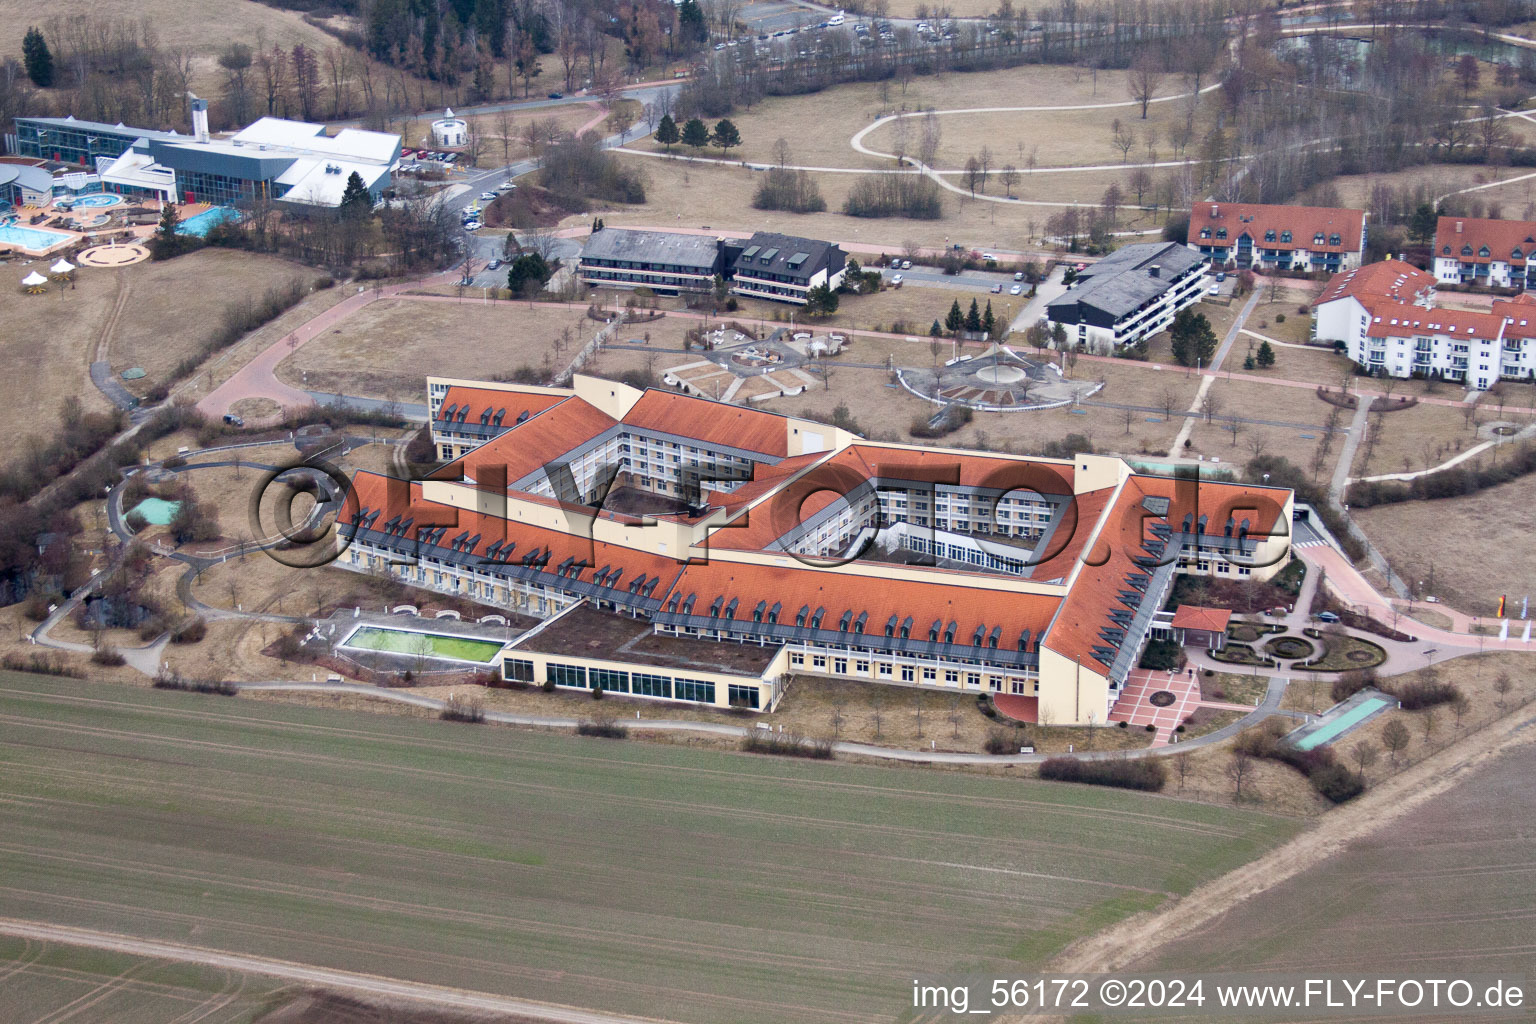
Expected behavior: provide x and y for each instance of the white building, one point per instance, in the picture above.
(1386, 317)
(1130, 295)
(1487, 253)
(450, 132)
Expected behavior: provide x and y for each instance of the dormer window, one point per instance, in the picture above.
(1221, 232)
(1484, 252)
(1466, 250)
(1205, 232)
(1285, 236)
(1269, 236)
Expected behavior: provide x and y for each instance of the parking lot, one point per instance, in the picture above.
(981, 281)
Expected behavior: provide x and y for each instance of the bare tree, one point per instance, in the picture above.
(1364, 752)
(1145, 76)
(1183, 766)
(1502, 684)
(781, 151)
(1010, 175)
(1239, 768)
(1122, 138)
(1394, 736)
(933, 134)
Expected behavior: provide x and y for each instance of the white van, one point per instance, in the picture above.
(836, 19)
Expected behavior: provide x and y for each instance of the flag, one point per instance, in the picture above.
(1501, 606)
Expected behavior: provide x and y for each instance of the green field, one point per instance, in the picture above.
(427, 645)
(37, 980)
(662, 881)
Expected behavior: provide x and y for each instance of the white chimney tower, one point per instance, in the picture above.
(199, 119)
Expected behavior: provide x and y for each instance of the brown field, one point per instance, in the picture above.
(167, 311)
(1077, 137)
(386, 349)
(692, 195)
(1415, 438)
(1253, 400)
(1441, 888)
(1437, 179)
(173, 306)
(1481, 543)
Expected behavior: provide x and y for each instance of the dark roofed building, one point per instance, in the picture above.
(663, 261)
(1130, 295)
(783, 268)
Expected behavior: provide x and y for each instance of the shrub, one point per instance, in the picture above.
(894, 195)
(1350, 683)
(1279, 318)
(1336, 782)
(999, 742)
(1162, 656)
(41, 664)
(549, 686)
(607, 728)
(1320, 765)
(1142, 773)
(108, 656)
(786, 744)
(597, 693)
(1151, 727)
(462, 709)
(189, 632)
(1418, 694)
(171, 680)
(784, 189)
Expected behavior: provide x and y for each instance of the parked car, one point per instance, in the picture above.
(1222, 276)
(493, 265)
(1018, 275)
(1214, 289)
(507, 186)
(488, 197)
(836, 19)
(233, 420)
(997, 289)
(1017, 289)
(473, 225)
(557, 95)
(988, 256)
(1328, 617)
(896, 281)
(906, 264)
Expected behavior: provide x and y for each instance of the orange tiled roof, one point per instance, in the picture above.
(1194, 616)
(1500, 237)
(1391, 279)
(543, 438)
(837, 591)
(1303, 222)
(713, 422)
(1397, 320)
(1094, 594)
(403, 498)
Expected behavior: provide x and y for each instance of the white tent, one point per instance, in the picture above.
(61, 267)
(34, 279)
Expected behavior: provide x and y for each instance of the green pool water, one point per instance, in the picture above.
(1345, 722)
(157, 511)
(432, 645)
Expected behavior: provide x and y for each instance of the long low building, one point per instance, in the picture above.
(706, 527)
(294, 162)
(780, 268)
(1305, 238)
(1129, 295)
(1386, 318)
(1485, 253)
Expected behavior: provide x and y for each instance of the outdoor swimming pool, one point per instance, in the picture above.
(207, 221)
(428, 645)
(32, 239)
(95, 200)
(1346, 721)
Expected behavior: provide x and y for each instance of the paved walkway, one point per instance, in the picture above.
(1135, 708)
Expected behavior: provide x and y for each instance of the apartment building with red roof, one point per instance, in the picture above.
(1260, 236)
(1487, 253)
(1386, 318)
(742, 547)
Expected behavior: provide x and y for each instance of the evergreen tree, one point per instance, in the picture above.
(690, 22)
(936, 331)
(956, 319)
(38, 58)
(1193, 341)
(725, 135)
(1266, 355)
(1059, 336)
(695, 134)
(1422, 224)
(973, 317)
(821, 301)
(530, 266)
(666, 132)
(169, 219)
(988, 320)
(356, 200)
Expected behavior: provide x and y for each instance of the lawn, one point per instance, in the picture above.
(719, 197)
(653, 880)
(386, 349)
(432, 645)
(1481, 544)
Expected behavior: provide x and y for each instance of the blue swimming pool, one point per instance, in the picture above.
(97, 199)
(31, 239)
(1339, 726)
(207, 221)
